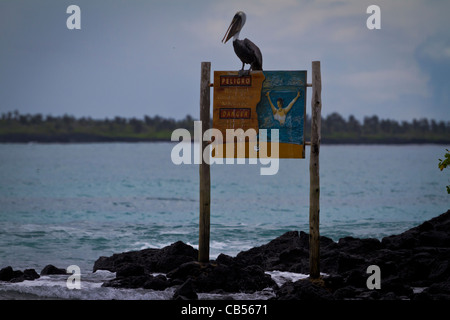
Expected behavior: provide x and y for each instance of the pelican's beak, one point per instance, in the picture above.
(235, 27)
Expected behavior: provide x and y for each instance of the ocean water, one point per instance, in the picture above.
(68, 204)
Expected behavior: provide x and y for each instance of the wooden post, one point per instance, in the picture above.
(314, 179)
(205, 180)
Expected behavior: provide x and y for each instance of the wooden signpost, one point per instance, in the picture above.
(314, 178)
(205, 179)
(261, 100)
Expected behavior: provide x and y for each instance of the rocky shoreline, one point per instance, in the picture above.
(414, 265)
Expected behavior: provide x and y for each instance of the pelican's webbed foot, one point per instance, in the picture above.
(243, 72)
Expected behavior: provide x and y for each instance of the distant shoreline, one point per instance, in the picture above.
(25, 128)
(90, 138)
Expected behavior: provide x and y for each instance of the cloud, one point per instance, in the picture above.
(142, 51)
(436, 48)
(386, 84)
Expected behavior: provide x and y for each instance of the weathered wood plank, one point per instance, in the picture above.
(205, 179)
(314, 193)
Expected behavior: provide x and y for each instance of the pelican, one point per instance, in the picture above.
(245, 49)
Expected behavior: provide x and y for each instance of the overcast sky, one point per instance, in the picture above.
(134, 58)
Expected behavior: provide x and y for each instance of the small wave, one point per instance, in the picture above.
(280, 277)
(55, 287)
(175, 232)
(141, 245)
(258, 295)
(170, 199)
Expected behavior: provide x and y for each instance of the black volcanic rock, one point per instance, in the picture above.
(431, 233)
(160, 282)
(152, 260)
(185, 292)
(131, 282)
(51, 269)
(227, 273)
(130, 270)
(232, 278)
(288, 252)
(418, 257)
(30, 274)
(27, 274)
(304, 289)
(268, 256)
(8, 274)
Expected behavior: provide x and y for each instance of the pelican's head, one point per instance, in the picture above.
(235, 26)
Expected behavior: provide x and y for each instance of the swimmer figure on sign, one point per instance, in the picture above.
(280, 113)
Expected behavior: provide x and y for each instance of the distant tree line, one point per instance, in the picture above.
(16, 127)
(337, 129)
